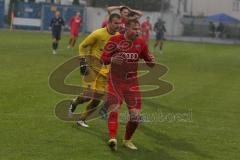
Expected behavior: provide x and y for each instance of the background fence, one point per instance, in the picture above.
(1, 13)
(37, 16)
(200, 27)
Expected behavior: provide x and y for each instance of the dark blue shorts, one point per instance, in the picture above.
(159, 36)
(56, 35)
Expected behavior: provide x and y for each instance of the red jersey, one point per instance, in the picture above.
(122, 26)
(75, 23)
(145, 28)
(130, 52)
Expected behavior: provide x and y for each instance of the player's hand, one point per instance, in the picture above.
(152, 58)
(151, 63)
(117, 60)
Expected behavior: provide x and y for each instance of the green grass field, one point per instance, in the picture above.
(206, 82)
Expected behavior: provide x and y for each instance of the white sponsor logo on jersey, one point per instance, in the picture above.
(130, 56)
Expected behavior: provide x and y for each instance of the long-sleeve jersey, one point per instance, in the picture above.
(57, 23)
(93, 45)
(159, 27)
(130, 52)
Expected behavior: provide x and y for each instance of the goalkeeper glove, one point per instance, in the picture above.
(83, 67)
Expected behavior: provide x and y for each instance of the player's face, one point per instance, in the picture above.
(133, 31)
(57, 14)
(125, 13)
(78, 14)
(114, 25)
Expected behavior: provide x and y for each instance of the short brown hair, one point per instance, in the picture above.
(131, 21)
(121, 9)
(114, 15)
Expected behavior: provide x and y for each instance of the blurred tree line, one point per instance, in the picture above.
(144, 5)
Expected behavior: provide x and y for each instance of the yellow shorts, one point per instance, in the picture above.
(95, 81)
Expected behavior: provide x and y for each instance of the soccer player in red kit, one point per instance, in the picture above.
(75, 23)
(124, 12)
(146, 27)
(123, 52)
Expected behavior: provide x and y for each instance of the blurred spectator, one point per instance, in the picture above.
(220, 30)
(212, 29)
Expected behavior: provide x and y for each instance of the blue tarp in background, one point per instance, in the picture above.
(1, 13)
(224, 18)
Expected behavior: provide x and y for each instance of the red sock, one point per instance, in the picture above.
(130, 129)
(113, 124)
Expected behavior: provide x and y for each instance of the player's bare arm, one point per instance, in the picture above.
(113, 8)
(139, 13)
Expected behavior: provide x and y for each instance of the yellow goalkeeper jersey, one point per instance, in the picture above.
(93, 46)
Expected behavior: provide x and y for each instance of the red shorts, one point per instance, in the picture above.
(119, 91)
(74, 33)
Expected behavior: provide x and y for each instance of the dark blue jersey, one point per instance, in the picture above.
(159, 27)
(57, 23)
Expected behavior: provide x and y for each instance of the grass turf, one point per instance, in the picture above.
(206, 83)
